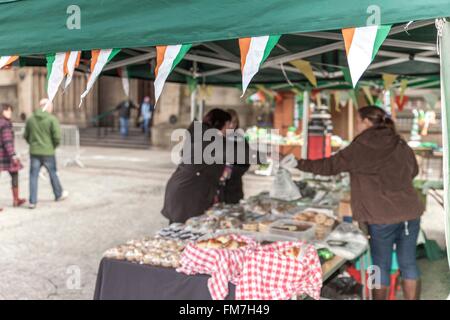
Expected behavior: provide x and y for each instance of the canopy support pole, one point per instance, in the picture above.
(351, 120)
(445, 103)
(305, 121)
(194, 94)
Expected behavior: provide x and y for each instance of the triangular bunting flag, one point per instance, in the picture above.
(343, 98)
(60, 65)
(55, 74)
(71, 62)
(254, 51)
(305, 68)
(123, 73)
(98, 60)
(7, 60)
(267, 92)
(167, 58)
(388, 80)
(403, 86)
(368, 95)
(347, 76)
(205, 92)
(401, 101)
(192, 84)
(361, 46)
(337, 100)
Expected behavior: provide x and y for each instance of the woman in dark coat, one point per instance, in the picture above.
(193, 186)
(8, 159)
(231, 189)
(382, 167)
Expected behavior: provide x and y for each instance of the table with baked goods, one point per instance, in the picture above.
(216, 255)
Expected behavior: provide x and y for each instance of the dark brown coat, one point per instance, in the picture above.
(382, 167)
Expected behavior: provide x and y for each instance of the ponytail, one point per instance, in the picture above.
(378, 117)
(389, 123)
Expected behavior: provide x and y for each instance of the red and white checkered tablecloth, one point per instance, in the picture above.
(223, 265)
(259, 272)
(268, 274)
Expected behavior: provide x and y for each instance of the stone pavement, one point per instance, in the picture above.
(53, 252)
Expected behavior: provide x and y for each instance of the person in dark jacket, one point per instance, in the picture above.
(231, 189)
(124, 109)
(192, 188)
(8, 159)
(382, 167)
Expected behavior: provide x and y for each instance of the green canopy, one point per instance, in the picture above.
(32, 29)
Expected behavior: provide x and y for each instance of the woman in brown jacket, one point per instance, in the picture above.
(382, 167)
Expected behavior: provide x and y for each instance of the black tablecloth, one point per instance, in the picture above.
(123, 280)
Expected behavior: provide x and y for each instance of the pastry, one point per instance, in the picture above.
(263, 226)
(250, 226)
(320, 218)
(222, 242)
(329, 222)
(151, 251)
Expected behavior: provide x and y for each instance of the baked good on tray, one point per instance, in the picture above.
(221, 242)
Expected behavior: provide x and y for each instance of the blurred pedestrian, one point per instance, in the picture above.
(8, 159)
(146, 114)
(124, 109)
(43, 134)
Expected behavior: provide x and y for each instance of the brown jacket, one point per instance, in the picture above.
(382, 167)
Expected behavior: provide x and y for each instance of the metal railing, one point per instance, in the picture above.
(105, 123)
(68, 151)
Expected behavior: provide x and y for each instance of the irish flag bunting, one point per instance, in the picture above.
(123, 74)
(60, 65)
(55, 73)
(98, 60)
(72, 60)
(361, 46)
(167, 58)
(7, 60)
(254, 51)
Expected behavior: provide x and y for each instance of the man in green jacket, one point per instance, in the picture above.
(43, 134)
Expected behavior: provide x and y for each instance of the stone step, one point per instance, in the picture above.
(114, 143)
(135, 139)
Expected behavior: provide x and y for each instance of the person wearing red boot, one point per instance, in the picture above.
(8, 158)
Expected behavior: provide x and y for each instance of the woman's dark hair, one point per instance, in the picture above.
(234, 117)
(216, 118)
(379, 118)
(5, 106)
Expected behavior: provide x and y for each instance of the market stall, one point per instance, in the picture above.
(214, 44)
(221, 246)
(123, 280)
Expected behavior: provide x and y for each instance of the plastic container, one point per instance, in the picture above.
(306, 235)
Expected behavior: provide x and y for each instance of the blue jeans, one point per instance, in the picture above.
(404, 236)
(124, 126)
(49, 162)
(146, 126)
